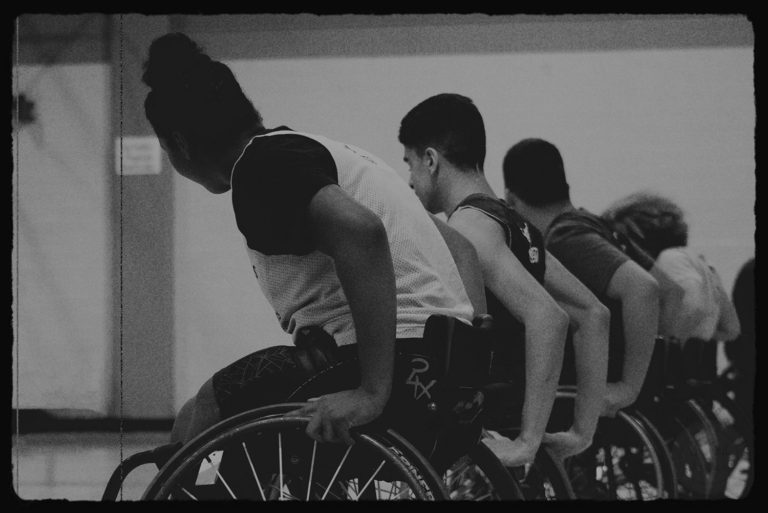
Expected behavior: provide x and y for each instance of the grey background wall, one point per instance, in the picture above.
(659, 102)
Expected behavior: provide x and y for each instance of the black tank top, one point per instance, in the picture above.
(527, 244)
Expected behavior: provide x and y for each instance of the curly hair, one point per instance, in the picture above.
(654, 222)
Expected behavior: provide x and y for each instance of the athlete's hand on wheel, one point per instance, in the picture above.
(511, 453)
(565, 444)
(617, 396)
(333, 415)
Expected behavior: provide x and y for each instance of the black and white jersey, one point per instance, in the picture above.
(273, 182)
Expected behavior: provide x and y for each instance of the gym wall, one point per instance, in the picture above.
(632, 102)
(663, 103)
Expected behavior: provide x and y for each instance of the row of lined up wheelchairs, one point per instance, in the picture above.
(684, 439)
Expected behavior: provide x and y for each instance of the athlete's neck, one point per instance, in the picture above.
(461, 183)
(542, 217)
(236, 150)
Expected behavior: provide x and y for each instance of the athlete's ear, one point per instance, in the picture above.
(432, 160)
(181, 143)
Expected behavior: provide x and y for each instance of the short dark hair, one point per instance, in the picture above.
(451, 124)
(534, 171)
(194, 95)
(654, 222)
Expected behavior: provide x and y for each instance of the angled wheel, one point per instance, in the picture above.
(479, 476)
(621, 464)
(683, 434)
(668, 469)
(545, 480)
(734, 447)
(261, 455)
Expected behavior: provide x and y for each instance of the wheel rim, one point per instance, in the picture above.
(623, 465)
(272, 459)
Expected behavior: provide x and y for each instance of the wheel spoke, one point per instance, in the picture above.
(311, 468)
(346, 488)
(401, 492)
(362, 490)
(255, 476)
(188, 493)
(343, 459)
(223, 481)
(608, 455)
(280, 460)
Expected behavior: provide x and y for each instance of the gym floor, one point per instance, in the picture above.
(76, 466)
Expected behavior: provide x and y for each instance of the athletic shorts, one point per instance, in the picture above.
(272, 375)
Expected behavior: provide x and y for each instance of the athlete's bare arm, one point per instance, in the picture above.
(545, 326)
(638, 293)
(590, 326)
(355, 238)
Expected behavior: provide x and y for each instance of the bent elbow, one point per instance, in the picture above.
(651, 287)
(559, 320)
(601, 316)
(370, 231)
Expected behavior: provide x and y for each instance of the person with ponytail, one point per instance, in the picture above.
(335, 237)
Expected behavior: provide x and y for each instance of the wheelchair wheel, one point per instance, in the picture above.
(668, 469)
(688, 445)
(621, 464)
(701, 432)
(734, 472)
(479, 476)
(543, 480)
(261, 455)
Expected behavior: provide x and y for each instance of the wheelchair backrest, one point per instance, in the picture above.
(461, 352)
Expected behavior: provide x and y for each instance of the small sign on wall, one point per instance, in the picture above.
(141, 155)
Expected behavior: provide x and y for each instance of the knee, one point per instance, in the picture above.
(205, 398)
(196, 415)
(182, 421)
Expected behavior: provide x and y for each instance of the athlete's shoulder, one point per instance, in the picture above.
(577, 222)
(477, 224)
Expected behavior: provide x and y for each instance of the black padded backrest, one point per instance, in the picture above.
(700, 359)
(655, 376)
(462, 352)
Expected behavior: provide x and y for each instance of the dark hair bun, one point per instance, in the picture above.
(173, 60)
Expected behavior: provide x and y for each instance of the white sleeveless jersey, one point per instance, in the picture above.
(305, 291)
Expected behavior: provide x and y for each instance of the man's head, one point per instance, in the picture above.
(442, 131)
(654, 222)
(534, 174)
(196, 107)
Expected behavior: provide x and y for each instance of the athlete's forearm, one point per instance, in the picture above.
(590, 326)
(544, 343)
(590, 342)
(640, 313)
(367, 276)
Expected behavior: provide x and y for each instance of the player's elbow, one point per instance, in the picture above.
(600, 317)
(368, 231)
(647, 290)
(558, 320)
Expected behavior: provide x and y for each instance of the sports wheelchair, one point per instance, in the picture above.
(709, 437)
(425, 446)
(628, 459)
(684, 438)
